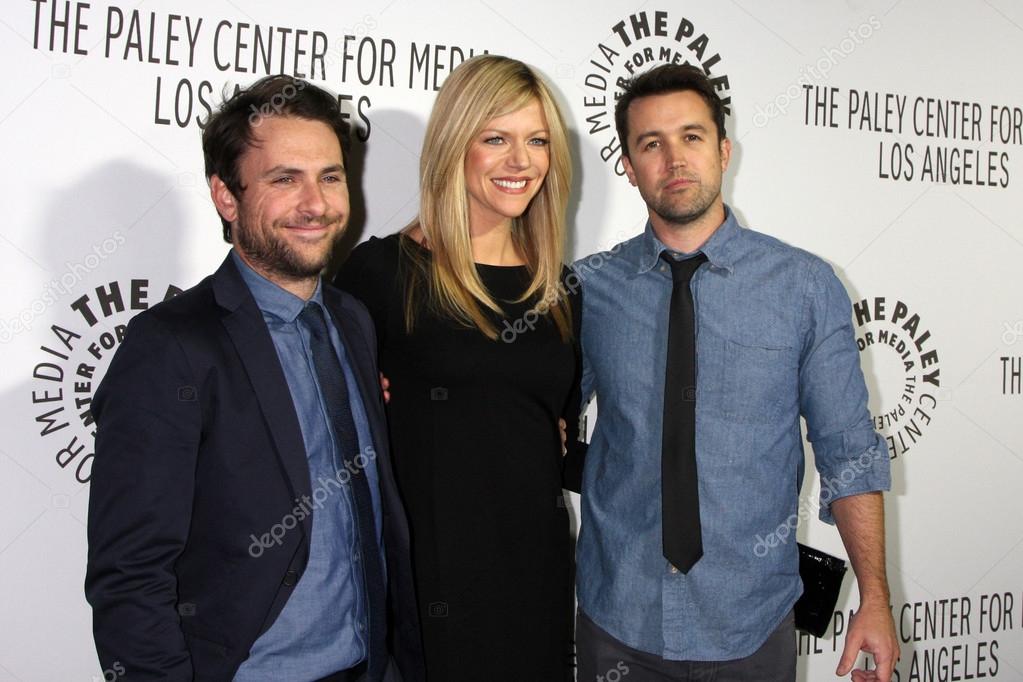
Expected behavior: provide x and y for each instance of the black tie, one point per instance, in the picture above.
(680, 502)
(335, 394)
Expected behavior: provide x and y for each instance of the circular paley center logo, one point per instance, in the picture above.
(897, 349)
(73, 358)
(638, 43)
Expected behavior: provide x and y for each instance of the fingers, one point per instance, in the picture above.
(885, 663)
(849, 654)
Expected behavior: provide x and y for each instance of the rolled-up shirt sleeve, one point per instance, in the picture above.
(850, 456)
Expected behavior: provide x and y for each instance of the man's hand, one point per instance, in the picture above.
(860, 520)
(563, 428)
(385, 386)
(873, 631)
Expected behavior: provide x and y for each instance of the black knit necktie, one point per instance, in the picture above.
(680, 502)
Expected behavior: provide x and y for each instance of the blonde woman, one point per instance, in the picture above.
(477, 332)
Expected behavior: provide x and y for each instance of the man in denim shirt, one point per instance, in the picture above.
(773, 341)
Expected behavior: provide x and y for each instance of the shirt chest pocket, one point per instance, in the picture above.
(757, 379)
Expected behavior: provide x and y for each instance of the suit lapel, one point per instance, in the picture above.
(247, 330)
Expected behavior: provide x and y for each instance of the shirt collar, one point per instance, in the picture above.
(719, 249)
(272, 299)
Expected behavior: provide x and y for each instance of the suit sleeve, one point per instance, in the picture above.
(143, 479)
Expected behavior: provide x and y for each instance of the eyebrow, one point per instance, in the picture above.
(290, 170)
(507, 132)
(699, 127)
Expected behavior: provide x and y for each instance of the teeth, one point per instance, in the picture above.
(518, 184)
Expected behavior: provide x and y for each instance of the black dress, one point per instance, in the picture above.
(477, 454)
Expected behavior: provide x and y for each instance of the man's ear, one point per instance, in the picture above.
(726, 153)
(223, 199)
(628, 170)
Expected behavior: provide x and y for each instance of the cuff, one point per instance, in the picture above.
(851, 463)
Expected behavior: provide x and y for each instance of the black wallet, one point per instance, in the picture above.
(822, 576)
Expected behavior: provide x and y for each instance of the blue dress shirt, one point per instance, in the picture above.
(322, 628)
(774, 341)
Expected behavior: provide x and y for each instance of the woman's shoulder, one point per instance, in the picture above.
(371, 267)
(572, 290)
(571, 281)
(377, 248)
(378, 254)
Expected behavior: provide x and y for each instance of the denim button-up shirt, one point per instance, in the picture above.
(322, 627)
(774, 341)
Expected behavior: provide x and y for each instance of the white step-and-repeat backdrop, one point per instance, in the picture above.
(884, 135)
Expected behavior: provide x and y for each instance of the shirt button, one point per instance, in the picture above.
(362, 627)
(664, 268)
(674, 570)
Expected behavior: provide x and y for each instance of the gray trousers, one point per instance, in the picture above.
(602, 658)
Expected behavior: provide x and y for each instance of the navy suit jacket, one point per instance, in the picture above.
(198, 454)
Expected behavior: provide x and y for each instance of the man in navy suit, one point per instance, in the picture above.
(244, 522)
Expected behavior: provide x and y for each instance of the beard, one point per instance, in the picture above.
(672, 208)
(266, 250)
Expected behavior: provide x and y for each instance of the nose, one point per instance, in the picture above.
(676, 156)
(518, 155)
(312, 202)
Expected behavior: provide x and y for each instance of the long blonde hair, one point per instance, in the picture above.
(480, 89)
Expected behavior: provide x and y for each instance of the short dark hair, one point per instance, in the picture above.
(661, 80)
(228, 132)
